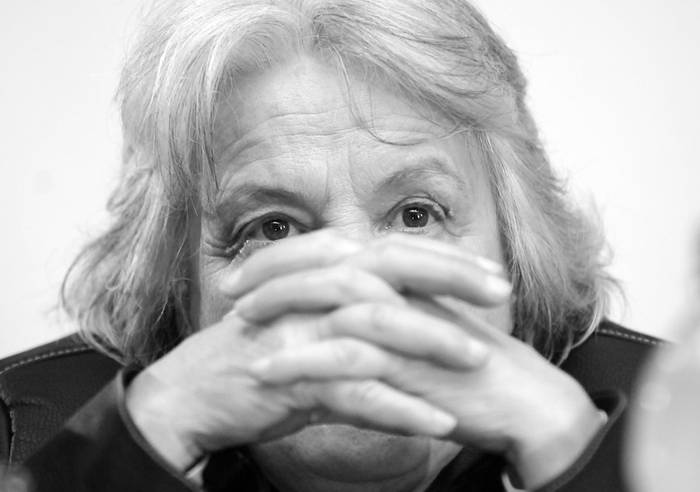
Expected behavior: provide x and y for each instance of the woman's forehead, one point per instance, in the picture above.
(298, 128)
(305, 100)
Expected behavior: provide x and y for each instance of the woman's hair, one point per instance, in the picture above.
(129, 288)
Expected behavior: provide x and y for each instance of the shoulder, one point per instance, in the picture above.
(610, 358)
(42, 387)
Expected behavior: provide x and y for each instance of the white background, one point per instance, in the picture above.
(614, 87)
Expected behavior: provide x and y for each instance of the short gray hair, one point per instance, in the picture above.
(129, 287)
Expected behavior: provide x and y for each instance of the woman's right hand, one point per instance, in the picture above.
(203, 396)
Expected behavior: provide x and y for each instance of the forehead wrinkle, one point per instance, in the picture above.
(335, 122)
(305, 144)
(245, 129)
(396, 164)
(252, 148)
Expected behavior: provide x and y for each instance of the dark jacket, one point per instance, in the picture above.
(63, 443)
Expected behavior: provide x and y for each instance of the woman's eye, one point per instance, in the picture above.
(275, 229)
(263, 231)
(415, 216)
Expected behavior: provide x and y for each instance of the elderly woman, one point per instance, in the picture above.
(339, 261)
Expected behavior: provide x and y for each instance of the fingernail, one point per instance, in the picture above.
(498, 286)
(442, 423)
(489, 265)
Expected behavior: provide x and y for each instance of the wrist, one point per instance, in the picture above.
(151, 409)
(539, 459)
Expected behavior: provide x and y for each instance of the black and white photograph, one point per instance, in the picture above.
(350, 246)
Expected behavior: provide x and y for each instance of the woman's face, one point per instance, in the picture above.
(290, 157)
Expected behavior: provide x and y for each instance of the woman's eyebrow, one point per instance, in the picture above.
(424, 169)
(237, 200)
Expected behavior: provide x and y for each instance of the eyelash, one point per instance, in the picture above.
(241, 240)
(242, 243)
(437, 211)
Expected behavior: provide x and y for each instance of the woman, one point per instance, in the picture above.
(425, 272)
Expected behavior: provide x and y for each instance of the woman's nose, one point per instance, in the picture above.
(357, 227)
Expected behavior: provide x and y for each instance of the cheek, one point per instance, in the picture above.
(213, 304)
(499, 317)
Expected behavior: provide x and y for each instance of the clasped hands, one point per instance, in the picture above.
(387, 335)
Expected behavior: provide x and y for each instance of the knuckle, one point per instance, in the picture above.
(378, 288)
(323, 243)
(325, 238)
(329, 244)
(346, 354)
(386, 250)
(366, 392)
(456, 271)
(392, 240)
(380, 316)
(356, 284)
(347, 282)
(304, 395)
(323, 327)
